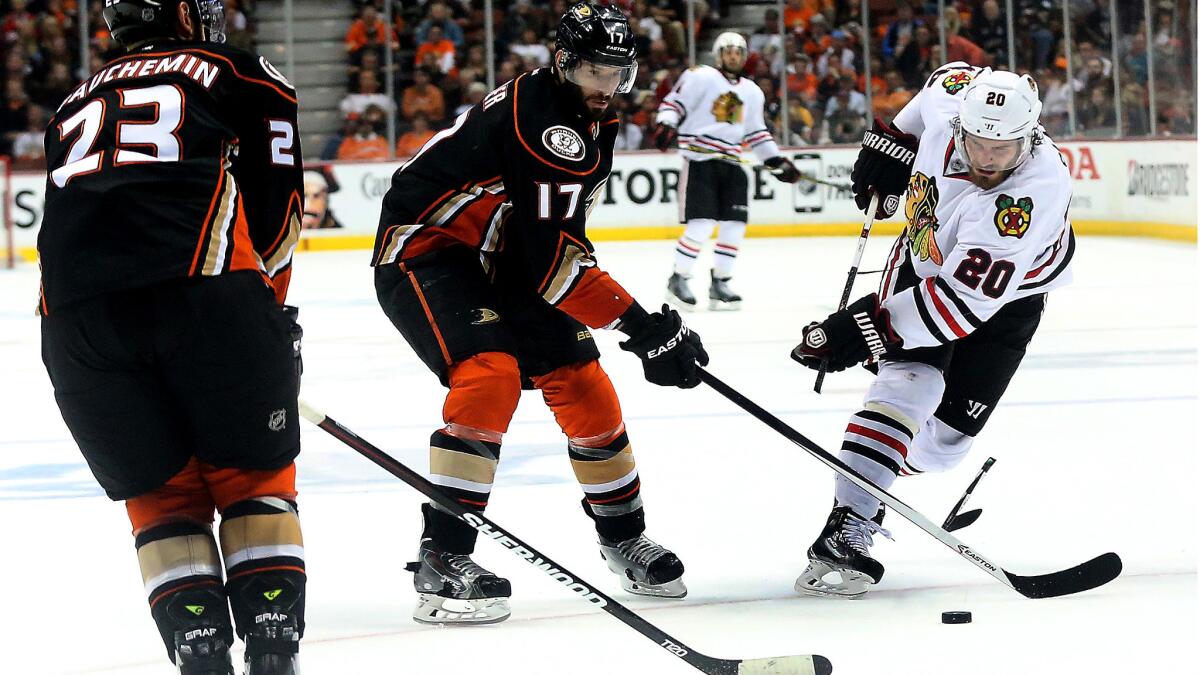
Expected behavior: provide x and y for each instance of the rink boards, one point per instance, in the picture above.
(1131, 188)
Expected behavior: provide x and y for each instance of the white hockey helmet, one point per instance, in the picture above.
(997, 123)
(728, 39)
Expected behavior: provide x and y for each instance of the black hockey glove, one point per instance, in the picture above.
(668, 349)
(847, 337)
(783, 169)
(297, 334)
(664, 136)
(883, 166)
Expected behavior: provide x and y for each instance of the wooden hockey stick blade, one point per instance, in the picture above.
(793, 665)
(786, 665)
(1083, 577)
(962, 520)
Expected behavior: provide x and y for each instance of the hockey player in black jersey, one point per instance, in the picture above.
(173, 204)
(483, 264)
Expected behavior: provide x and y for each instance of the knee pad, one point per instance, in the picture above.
(484, 392)
(264, 562)
(183, 498)
(906, 391)
(582, 398)
(938, 447)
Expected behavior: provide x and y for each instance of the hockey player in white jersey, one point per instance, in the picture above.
(962, 293)
(713, 115)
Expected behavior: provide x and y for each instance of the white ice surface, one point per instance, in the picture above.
(1095, 441)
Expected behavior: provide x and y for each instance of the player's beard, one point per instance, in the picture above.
(596, 104)
(988, 180)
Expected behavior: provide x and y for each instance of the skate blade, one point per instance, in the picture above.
(815, 581)
(672, 589)
(719, 306)
(674, 301)
(435, 610)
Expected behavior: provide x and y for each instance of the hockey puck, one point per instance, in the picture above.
(956, 617)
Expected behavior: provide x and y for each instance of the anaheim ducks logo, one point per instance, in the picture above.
(1012, 216)
(485, 316)
(954, 82)
(727, 109)
(921, 211)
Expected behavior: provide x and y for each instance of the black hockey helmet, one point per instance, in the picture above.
(135, 21)
(594, 48)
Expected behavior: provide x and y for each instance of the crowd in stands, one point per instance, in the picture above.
(42, 64)
(817, 70)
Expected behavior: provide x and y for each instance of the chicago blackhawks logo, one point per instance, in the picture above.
(563, 142)
(921, 211)
(1012, 217)
(954, 82)
(727, 109)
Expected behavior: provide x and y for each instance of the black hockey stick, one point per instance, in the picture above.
(858, 254)
(956, 520)
(781, 665)
(1089, 575)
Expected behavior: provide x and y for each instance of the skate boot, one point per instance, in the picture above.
(645, 567)
(720, 297)
(843, 550)
(679, 294)
(452, 589)
(274, 603)
(199, 619)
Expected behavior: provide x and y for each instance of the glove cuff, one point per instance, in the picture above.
(634, 321)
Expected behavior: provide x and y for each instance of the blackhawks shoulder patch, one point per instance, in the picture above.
(956, 81)
(1012, 216)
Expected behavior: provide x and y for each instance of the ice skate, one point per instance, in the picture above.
(202, 632)
(720, 297)
(840, 563)
(645, 567)
(272, 646)
(452, 589)
(679, 294)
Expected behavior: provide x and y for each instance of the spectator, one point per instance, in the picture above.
(1091, 76)
(797, 13)
(913, 57)
(817, 40)
(369, 30)
(1097, 114)
(1056, 100)
(629, 136)
(959, 48)
(989, 30)
(1135, 114)
(330, 150)
(475, 93)
(237, 28)
(532, 51)
(1136, 60)
(847, 100)
(838, 53)
(1094, 25)
(414, 138)
(368, 95)
(1086, 51)
(423, 98)
(845, 116)
(366, 143)
(439, 15)
(766, 34)
(894, 97)
(899, 32)
(801, 122)
(28, 147)
(801, 79)
(440, 48)
(58, 84)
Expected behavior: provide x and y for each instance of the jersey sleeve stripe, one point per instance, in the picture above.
(1066, 261)
(943, 311)
(926, 318)
(961, 306)
(668, 103)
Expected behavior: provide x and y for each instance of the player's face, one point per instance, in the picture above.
(597, 83)
(733, 59)
(990, 161)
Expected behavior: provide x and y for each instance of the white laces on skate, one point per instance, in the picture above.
(465, 566)
(857, 533)
(641, 550)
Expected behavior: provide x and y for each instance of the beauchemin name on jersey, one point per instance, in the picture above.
(515, 178)
(180, 159)
(966, 252)
(717, 118)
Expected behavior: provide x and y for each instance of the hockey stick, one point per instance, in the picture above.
(781, 665)
(806, 177)
(1083, 577)
(957, 521)
(858, 254)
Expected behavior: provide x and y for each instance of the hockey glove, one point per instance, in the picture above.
(668, 349)
(883, 166)
(783, 169)
(664, 136)
(847, 337)
(297, 335)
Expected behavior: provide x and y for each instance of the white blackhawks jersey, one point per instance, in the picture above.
(717, 118)
(966, 252)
